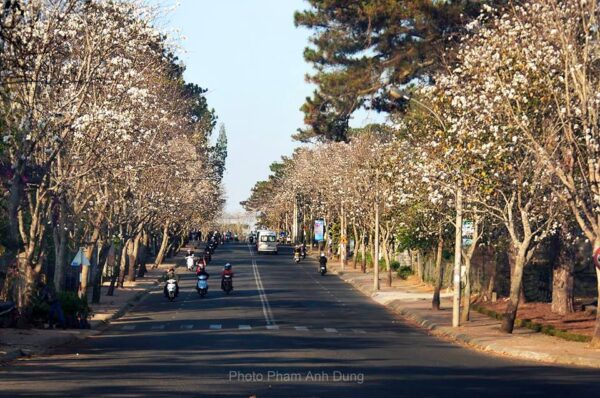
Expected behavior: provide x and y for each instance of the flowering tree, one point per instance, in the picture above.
(101, 136)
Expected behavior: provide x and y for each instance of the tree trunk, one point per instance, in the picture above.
(98, 271)
(492, 281)
(143, 254)
(466, 304)
(562, 277)
(356, 246)
(132, 256)
(516, 285)
(439, 272)
(123, 262)
(89, 251)
(59, 235)
(163, 247)
(596, 336)
(113, 261)
(363, 252)
(420, 267)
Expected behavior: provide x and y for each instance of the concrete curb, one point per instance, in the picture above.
(97, 327)
(462, 338)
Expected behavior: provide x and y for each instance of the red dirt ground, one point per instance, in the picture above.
(579, 322)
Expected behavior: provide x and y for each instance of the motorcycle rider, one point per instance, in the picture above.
(303, 250)
(170, 274)
(202, 271)
(227, 271)
(190, 260)
(297, 251)
(322, 261)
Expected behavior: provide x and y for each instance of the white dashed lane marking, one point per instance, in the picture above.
(301, 328)
(186, 327)
(215, 327)
(128, 327)
(331, 330)
(359, 331)
(272, 327)
(157, 327)
(245, 327)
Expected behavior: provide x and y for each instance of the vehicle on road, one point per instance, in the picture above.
(171, 289)
(189, 262)
(323, 269)
(202, 285)
(227, 284)
(323, 264)
(267, 242)
(296, 258)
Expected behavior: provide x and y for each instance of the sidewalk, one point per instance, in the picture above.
(15, 343)
(412, 300)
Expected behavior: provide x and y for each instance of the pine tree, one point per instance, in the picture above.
(359, 48)
(219, 152)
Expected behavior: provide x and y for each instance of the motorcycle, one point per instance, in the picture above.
(202, 285)
(190, 263)
(323, 269)
(227, 284)
(297, 257)
(171, 289)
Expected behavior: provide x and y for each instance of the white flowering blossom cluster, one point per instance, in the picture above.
(99, 134)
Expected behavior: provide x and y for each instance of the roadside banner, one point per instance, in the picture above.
(319, 230)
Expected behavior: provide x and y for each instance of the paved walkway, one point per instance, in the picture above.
(412, 300)
(15, 343)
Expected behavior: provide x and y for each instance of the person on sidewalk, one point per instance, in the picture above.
(170, 274)
(49, 296)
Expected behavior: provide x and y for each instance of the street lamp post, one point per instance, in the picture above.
(397, 93)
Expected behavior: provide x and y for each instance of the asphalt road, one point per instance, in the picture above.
(285, 331)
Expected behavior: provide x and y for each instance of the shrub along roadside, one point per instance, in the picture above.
(75, 309)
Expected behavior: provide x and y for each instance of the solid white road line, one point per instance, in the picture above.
(245, 327)
(128, 327)
(269, 318)
(331, 330)
(215, 327)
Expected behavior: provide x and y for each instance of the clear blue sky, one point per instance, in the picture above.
(248, 53)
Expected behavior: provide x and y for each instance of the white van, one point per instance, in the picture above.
(266, 242)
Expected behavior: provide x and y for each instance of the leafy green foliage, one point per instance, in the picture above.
(359, 48)
(404, 272)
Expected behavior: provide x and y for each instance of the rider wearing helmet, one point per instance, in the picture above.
(323, 260)
(170, 274)
(202, 270)
(226, 271)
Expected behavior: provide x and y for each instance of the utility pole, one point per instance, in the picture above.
(457, 259)
(295, 221)
(376, 243)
